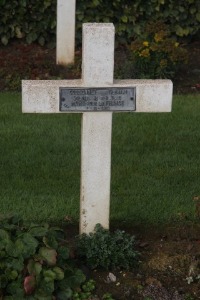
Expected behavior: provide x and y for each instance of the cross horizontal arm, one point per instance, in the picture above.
(42, 96)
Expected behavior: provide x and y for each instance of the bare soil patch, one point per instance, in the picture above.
(19, 61)
(168, 268)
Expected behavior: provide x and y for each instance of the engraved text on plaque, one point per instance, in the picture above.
(98, 99)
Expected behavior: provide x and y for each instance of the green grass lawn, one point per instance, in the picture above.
(155, 163)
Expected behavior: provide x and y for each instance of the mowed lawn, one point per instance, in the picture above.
(155, 163)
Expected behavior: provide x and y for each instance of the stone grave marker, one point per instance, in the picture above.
(96, 96)
(65, 37)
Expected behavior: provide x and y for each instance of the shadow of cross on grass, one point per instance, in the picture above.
(96, 96)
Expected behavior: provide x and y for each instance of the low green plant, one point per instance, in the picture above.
(191, 279)
(35, 262)
(106, 250)
(86, 291)
(107, 296)
(188, 297)
(156, 54)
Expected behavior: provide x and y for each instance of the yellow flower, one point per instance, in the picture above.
(145, 43)
(176, 45)
(145, 53)
(159, 36)
(163, 63)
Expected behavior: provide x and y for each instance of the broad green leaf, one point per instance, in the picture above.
(76, 279)
(49, 275)
(3, 244)
(95, 2)
(64, 295)
(50, 242)
(179, 31)
(56, 229)
(59, 273)
(23, 3)
(63, 251)
(45, 289)
(2, 254)
(15, 288)
(19, 245)
(41, 41)
(198, 16)
(38, 297)
(53, 24)
(19, 33)
(31, 37)
(4, 235)
(80, 17)
(38, 231)
(193, 10)
(16, 219)
(34, 267)
(29, 284)
(48, 255)
(9, 227)
(181, 9)
(3, 281)
(47, 3)
(124, 19)
(17, 263)
(13, 275)
(30, 244)
(12, 250)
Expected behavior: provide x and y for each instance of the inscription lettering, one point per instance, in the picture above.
(98, 99)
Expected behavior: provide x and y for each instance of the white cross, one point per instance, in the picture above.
(65, 44)
(43, 96)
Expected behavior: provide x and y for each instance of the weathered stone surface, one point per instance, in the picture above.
(65, 44)
(42, 96)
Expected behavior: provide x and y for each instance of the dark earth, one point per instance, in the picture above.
(169, 267)
(170, 259)
(20, 61)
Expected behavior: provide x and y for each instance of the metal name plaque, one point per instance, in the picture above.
(98, 99)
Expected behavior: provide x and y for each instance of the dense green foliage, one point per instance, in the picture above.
(35, 262)
(36, 20)
(106, 250)
(28, 19)
(130, 17)
(156, 54)
(85, 292)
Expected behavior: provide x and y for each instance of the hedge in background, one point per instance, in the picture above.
(130, 17)
(35, 20)
(29, 19)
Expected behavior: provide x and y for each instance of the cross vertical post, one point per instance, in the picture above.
(65, 43)
(97, 71)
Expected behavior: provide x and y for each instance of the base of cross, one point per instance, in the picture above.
(96, 96)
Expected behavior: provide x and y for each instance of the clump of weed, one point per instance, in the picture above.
(104, 249)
